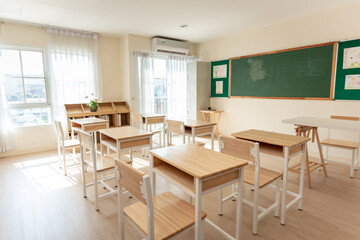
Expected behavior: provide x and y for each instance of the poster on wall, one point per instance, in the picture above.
(219, 87)
(351, 58)
(352, 82)
(220, 71)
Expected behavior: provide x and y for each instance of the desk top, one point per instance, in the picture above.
(278, 139)
(211, 111)
(86, 121)
(196, 123)
(122, 133)
(148, 115)
(325, 123)
(196, 161)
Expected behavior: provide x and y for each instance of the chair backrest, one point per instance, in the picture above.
(350, 118)
(87, 143)
(175, 126)
(136, 118)
(138, 184)
(86, 140)
(59, 132)
(239, 148)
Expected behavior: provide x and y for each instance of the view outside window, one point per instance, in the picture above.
(22, 72)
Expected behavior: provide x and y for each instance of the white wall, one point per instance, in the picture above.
(242, 114)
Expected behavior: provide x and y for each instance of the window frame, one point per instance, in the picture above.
(26, 105)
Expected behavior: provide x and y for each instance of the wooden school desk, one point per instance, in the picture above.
(200, 128)
(281, 146)
(211, 114)
(198, 171)
(89, 125)
(149, 119)
(312, 123)
(124, 138)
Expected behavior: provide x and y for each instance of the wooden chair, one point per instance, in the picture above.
(158, 217)
(254, 176)
(347, 145)
(174, 126)
(100, 166)
(63, 145)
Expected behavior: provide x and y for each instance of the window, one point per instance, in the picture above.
(22, 72)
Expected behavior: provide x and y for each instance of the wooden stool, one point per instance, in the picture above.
(310, 166)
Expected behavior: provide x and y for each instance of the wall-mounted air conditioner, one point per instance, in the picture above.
(170, 46)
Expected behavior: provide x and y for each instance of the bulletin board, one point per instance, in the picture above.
(347, 85)
(220, 78)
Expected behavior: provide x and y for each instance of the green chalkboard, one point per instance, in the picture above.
(299, 73)
(220, 78)
(348, 71)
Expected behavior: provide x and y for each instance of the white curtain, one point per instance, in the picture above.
(7, 138)
(73, 65)
(142, 85)
(177, 86)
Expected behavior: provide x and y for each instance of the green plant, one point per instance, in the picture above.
(93, 105)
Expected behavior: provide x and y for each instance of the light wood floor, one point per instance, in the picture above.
(38, 202)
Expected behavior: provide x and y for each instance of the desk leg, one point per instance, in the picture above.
(152, 175)
(212, 137)
(198, 191)
(193, 135)
(284, 193)
(119, 158)
(240, 194)
(95, 140)
(302, 171)
(320, 151)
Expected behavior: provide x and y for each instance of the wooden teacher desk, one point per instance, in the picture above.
(200, 128)
(284, 147)
(198, 171)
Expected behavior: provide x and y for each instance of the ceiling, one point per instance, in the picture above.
(206, 19)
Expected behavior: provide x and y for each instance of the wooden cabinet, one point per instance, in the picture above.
(118, 113)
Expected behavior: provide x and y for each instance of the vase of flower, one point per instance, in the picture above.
(94, 103)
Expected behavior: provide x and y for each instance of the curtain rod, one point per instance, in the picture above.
(3, 20)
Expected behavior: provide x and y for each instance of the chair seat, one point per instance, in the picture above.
(171, 215)
(103, 165)
(266, 176)
(71, 143)
(340, 143)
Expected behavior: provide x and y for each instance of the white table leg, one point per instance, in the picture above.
(193, 135)
(152, 175)
(302, 171)
(239, 204)
(284, 193)
(198, 225)
(95, 139)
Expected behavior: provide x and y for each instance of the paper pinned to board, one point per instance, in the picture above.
(220, 71)
(219, 87)
(352, 82)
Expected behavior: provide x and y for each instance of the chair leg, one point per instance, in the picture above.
(255, 210)
(83, 179)
(96, 191)
(190, 199)
(220, 202)
(203, 229)
(307, 165)
(352, 163)
(356, 159)
(277, 197)
(59, 155)
(64, 160)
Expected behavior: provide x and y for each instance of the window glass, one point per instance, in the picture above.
(14, 90)
(32, 63)
(35, 91)
(30, 116)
